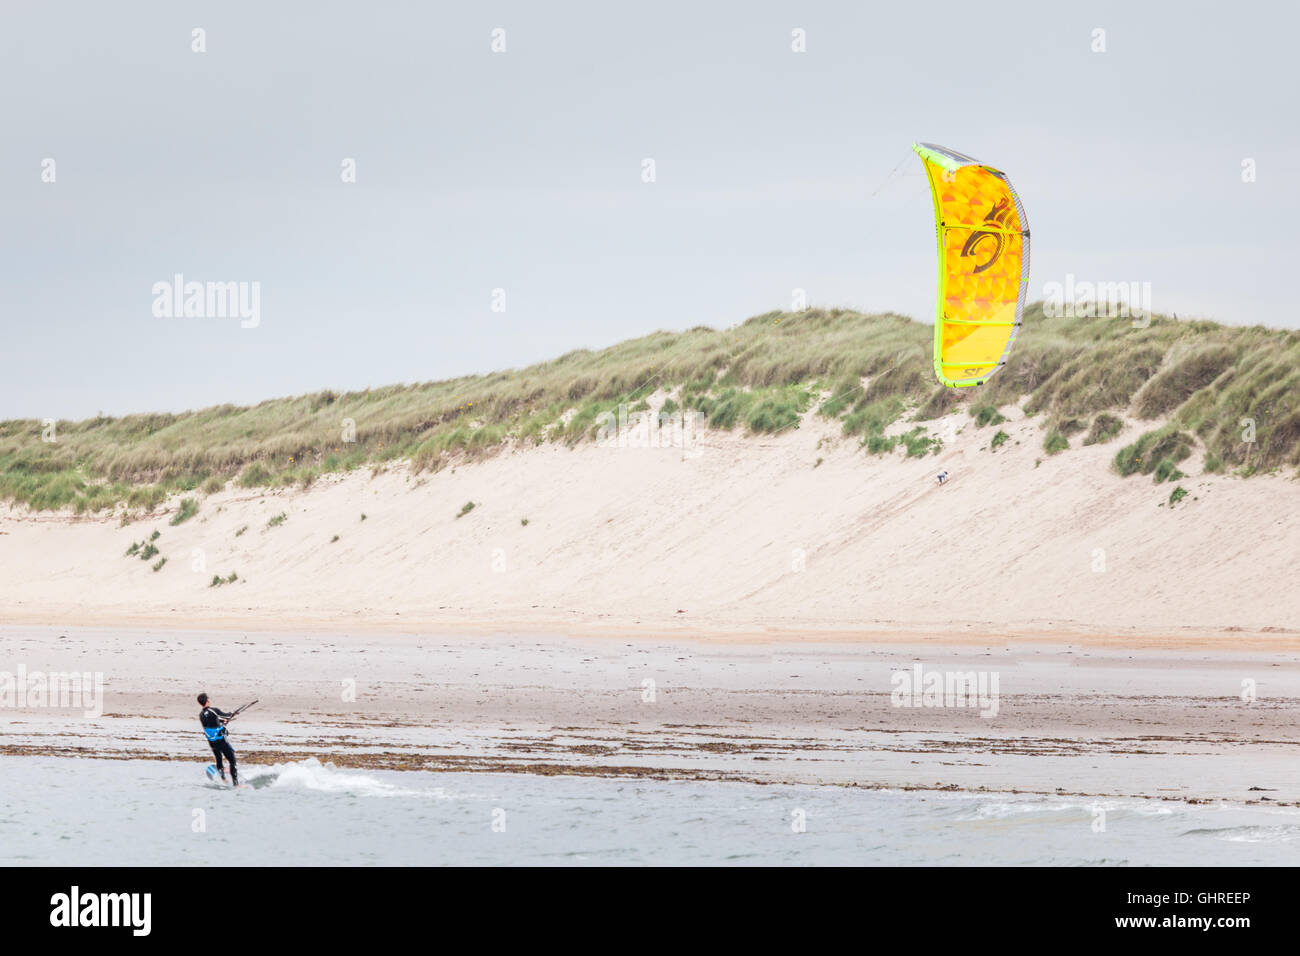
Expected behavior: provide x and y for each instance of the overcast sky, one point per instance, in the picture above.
(522, 170)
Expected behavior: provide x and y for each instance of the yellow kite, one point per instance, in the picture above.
(983, 265)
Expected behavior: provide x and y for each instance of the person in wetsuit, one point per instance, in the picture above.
(214, 728)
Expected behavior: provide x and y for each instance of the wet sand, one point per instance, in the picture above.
(1144, 718)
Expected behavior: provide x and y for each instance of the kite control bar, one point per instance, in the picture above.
(240, 710)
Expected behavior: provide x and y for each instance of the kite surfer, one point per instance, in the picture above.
(214, 728)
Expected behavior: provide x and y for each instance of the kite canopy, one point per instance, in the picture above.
(983, 265)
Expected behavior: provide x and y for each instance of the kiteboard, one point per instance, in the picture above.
(215, 779)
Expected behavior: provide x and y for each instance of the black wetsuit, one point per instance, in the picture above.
(214, 728)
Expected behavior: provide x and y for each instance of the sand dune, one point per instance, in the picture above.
(735, 534)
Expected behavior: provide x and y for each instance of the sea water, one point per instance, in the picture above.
(134, 812)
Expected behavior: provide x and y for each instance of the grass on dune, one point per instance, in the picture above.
(1214, 383)
(1156, 451)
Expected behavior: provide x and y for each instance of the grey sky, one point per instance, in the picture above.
(522, 171)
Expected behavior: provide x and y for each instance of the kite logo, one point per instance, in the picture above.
(997, 216)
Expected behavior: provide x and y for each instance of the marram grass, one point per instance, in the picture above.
(1212, 384)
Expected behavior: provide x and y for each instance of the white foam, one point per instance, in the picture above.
(1251, 834)
(311, 774)
(1028, 806)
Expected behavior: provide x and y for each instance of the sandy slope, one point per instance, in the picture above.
(739, 534)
